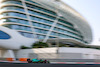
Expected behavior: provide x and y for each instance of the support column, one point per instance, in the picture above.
(9, 54)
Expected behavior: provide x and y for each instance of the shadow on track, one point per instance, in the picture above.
(46, 65)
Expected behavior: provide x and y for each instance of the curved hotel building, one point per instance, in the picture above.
(24, 21)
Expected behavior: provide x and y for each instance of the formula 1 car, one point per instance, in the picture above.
(37, 61)
(41, 61)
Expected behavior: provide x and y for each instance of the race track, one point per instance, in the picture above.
(46, 65)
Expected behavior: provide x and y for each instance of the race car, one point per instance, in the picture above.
(37, 61)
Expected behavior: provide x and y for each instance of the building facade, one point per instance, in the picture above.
(44, 20)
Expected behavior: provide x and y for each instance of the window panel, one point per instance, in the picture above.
(18, 27)
(41, 20)
(60, 20)
(41, 14)
(4, 35)
(41, 31)
(11, 2)
(29, 35)
(40, 9)
(67, 32)
(12, 8)
(41, 25)
(40, 36)
(14, 14)
(16, 20)
(32, 1)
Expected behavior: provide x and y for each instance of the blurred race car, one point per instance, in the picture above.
(37, 61)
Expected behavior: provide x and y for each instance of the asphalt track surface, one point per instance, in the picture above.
(46, 65)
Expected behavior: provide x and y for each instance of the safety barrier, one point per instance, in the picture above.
(55, 61)
(10, 59)
(13, 59)
(22, 59)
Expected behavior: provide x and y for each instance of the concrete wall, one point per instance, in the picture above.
(7, 54)
(63, 52)
(70, 56)
(24, 53)
(51, 53)
(87, 53)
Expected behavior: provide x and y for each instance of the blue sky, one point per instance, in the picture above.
(90, 10)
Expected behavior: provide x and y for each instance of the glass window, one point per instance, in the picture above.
(29, 35)
(41, 31)
(66, 27)
(52, 33)
(18, 27)
(4, 35)
(41, 9)
(40, 36)
(32, 1)
(41, 14)
(52, 37)
(14, 26)
(16, 20)
(60, 20)
(41, 20)
(67, 32)
(41, 25)
(11, 2)
(24, 22)
(13, 8)
(28, 28)
(14, 14)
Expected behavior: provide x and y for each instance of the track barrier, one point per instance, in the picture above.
(23, 59)
(9, 59)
